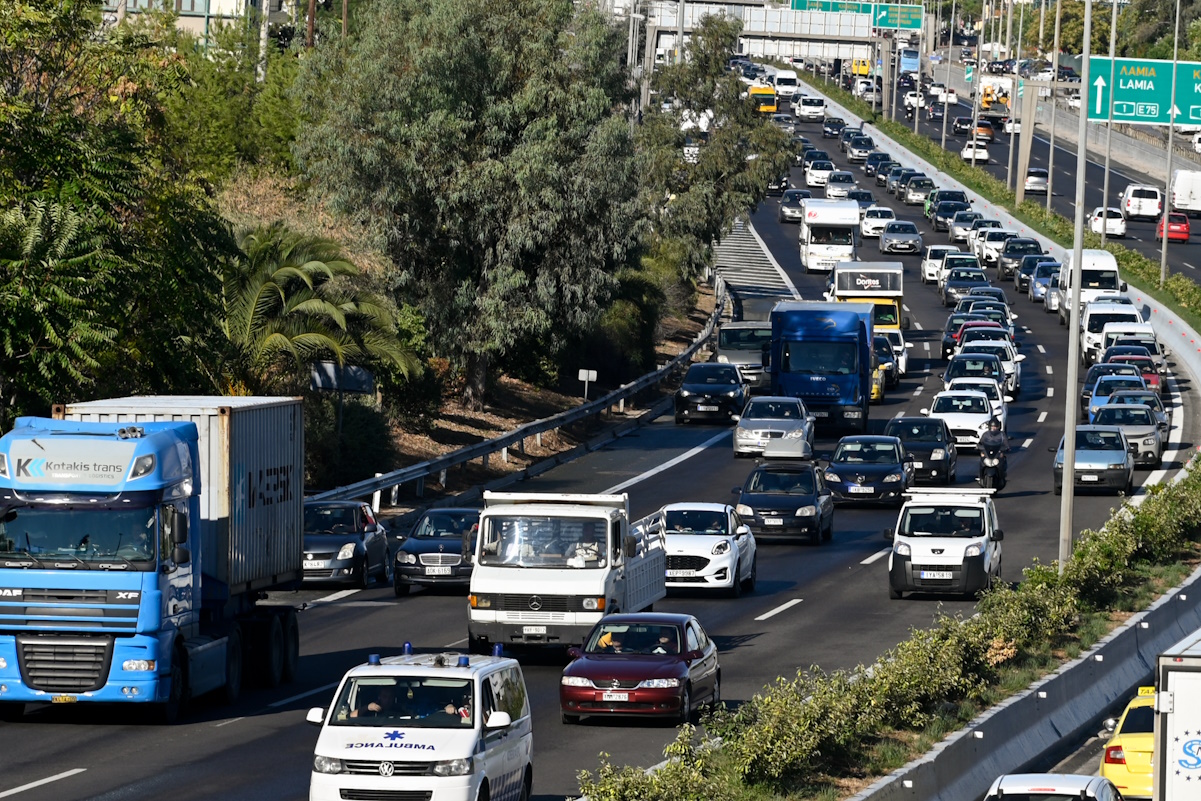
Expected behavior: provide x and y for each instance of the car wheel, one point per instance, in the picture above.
(715, 697)
(570, 720)
(893, 594)
(749, 584)
(400, 588)
(1059, 489)
(735, 590)
(685, 715)
(680, 420)
(1129, 491)
(363, 578)
(828, 534)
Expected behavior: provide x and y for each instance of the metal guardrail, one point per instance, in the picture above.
(419, 472)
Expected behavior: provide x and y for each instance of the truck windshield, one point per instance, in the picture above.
(830, 235)
(821, 358)
(548, 542)
(885, 314)
(71, 536)
(743, 338)
(941, 521)
(1099, 279)
(406, 702)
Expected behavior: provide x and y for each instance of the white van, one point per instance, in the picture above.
(1141, 200)
(442, 726)
(1093, 321)
(1098, 276)
(947, 541)
(1111, 333)
(811, 109)
(786, 82)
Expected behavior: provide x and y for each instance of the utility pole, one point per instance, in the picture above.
(1071, 404)
(1055, 102)
(1113, 31)
(260, 73)
(308, 39)
(1014, 104)
(1167, 187)
(680, 35)
(946, 111)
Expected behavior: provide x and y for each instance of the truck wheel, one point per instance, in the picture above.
(11, 713)
(291, 645)
(167, 712)
(271, 658)
(233, 666)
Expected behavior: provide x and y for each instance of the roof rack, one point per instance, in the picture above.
(948, 492)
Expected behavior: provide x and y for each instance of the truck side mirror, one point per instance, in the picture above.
(905, 323)
(888, 534)
(179, 532)
(998, 535)
(631, 547)
(181, 555)
(316, 716)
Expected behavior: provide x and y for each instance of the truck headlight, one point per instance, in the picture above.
(973, 550)
(142, 466)
(723, 359)
(575, 681)
(938, 454)
(454, 767)
(744, 510)
(901, 549)
(893, 478)
(721, 547)
(406, 558)
(806, 511)
(322, 764)
(346, 551)
(138, 665)
(658, 684)
(593, 604)
(480, 601)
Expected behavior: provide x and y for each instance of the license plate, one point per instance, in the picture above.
(439, 571)
(533, 629)
(680, 573)
(821, 414)
(917, 464)
(935, 574)
(313, 564)
(1090, 478)
(706, 408)
(64, 699)
(773, 521)
(964, 439)
(863, 490)
(608, 696)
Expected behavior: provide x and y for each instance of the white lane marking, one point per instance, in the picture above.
(917, 325)
(1026, 330)
(926, 346)
(227, 722)
(1050, 392)
(1176, 434)
(900, 414)
(1042, 416)
(1041, 349)
(306, 694)
(1186, 264)
(903, 306)
(66, 774)
(876, 557)
(337, 596)
(917, 392)
(1027, 443)
(1049, 370)
(781, 608)
(670, 463)
(455, 643)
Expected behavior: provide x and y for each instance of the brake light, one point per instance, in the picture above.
(1114, 755)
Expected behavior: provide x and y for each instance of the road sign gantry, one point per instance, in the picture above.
(1139, 91)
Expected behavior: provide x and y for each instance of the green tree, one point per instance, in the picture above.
(292, 301)
(482, 139)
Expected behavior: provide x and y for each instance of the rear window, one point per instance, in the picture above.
(1139, 720)
(1145, 194)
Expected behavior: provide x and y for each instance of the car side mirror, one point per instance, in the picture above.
(742, 531)
(926, 412)
(694, 655)
(889, 534)
(998, 535)
(574, 653)
(1021, 357)
(735, 417)
(1123, 287)
(498, 720)
(1008, 399)
(316, 715)
(905, 323)
(736, 490)
(1110, 725)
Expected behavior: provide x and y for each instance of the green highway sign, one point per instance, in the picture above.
(968, 73)
(1139, 91)
(900, 16)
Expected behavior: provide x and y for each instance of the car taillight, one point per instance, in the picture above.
(1114, 755)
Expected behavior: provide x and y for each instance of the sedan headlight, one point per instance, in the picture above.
(744, 510)
(723, 359)
(806, 511)
(893, 478)
(721, 547)
(973, 550)
(406, 558)
(454, 767)
(1093, 409)
(684, 393)
(832, 476)
(1149, 441)
(322, 764)
(732, 393)
(346, 551)
(658, 684)
(938, 454)
(796, 433)
(1117, 466)
(983, 426)
(901, 549)
(575, 681)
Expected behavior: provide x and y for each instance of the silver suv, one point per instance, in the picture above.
(741, 344)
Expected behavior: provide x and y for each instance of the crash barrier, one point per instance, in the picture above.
(418, 473)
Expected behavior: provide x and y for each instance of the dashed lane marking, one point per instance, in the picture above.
(654, 471)
(1049, 370)
(1050, 392)
(1041, 349)
(1042, 416)
(876, 557)
(1027, 443)
(784, 607)
(305, 694)
(66, 774)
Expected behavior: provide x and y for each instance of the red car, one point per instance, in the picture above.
(958, 335)
(1146, 366)
(1178, 228)
(646, 663)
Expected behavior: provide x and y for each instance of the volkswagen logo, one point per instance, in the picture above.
(386, 768)
(535, 603)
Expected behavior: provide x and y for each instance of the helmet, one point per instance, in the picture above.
(994, 422)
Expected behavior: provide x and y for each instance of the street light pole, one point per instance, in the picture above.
(947, 87)
(1014, 105)
(1167, 187)
(1113, 32)
(1071, 401)
(680, 35)
(1054, 101)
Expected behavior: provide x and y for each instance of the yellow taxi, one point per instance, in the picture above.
(878, 381)
(1127, 758)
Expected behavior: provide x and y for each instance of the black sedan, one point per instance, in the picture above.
(711, 391)
(929, 442)
(438, 551)
(960, 282)
(961, 125)
(787, 499)
(344, 543)
(832, 127)
(945, 211)
(869, 469)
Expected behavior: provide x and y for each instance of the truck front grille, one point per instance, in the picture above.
(539, 603)
(65, 664)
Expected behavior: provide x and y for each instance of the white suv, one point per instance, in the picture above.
(1053, 787)
(946, 541)
(446, 726)
(1140, 200)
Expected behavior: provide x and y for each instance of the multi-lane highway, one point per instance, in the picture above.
(261, 748)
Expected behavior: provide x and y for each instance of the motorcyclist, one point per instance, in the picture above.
(994, 440)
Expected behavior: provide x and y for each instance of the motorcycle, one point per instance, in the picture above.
(992, 468)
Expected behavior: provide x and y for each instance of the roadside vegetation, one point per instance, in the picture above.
(442, 209)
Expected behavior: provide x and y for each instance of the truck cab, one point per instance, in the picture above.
(548, 566)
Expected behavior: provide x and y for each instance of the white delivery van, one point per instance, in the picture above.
(787, 84)
(827, 233)
(810, 109)
(1186, 190)
(441, 726)
(947, 541)
(1093, 320)
(1098, 276)
(1141, 200)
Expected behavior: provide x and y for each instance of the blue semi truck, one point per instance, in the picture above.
(138, 537)
(822, 354)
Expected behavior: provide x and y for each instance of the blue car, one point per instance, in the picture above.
(1107, 385)
(1040, 281)
(869, 469)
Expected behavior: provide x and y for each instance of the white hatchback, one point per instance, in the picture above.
(709, 547)
(932, 263)
(965, 411)
(1109, 220)
(875, 218)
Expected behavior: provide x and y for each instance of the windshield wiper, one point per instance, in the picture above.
(86, 566)
(27, 555)
(130, 564)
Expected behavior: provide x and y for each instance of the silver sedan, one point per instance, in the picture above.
(900, 237)
(1103, 461)
(771, 418)
(1143, 433)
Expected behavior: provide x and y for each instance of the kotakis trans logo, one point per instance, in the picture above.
(70, 462)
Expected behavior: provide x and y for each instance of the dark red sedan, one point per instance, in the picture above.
(646, 663)
(1146, 368)
(1178, 228)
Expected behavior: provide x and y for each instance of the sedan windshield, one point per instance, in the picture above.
(867, 453)
(960, 404)
(711, 374)
(901, 228)
(942, 521)
(636, 638)
(773, 410)
(1123, 416)
(782, 482)
(916, 431)
(1098, 441)
(446, 525)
